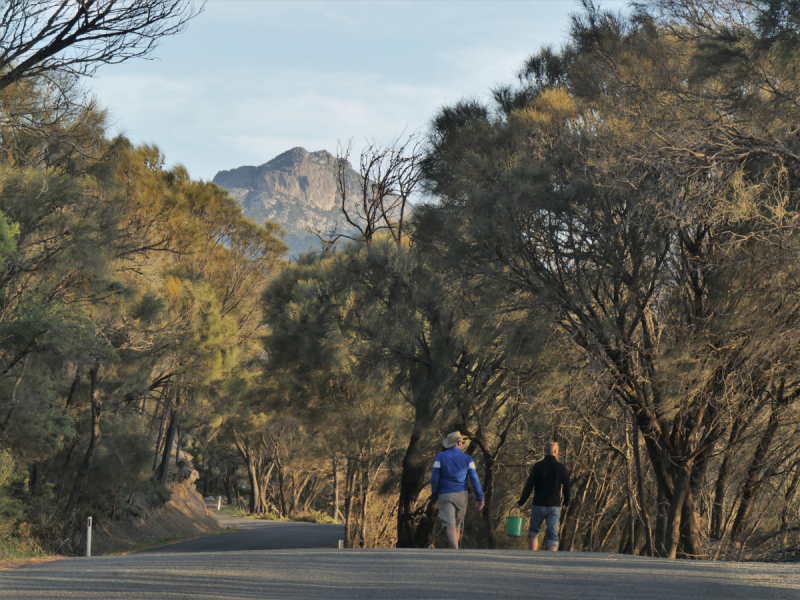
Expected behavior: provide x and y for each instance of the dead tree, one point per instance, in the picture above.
(376, 199)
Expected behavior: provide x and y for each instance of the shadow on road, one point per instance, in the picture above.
(395, 574)
(258, 534)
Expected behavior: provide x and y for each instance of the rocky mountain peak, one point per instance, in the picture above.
(296, 189)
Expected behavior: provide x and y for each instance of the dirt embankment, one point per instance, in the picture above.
(144, 521)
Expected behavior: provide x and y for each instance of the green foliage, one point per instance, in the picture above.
(10, 507)
(312, 516)
(611, 255)
(15, 538)
(8, 246)
(123, 288)
(158, 494)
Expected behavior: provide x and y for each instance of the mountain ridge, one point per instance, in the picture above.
(296, 189)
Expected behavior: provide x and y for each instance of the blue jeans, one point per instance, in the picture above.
(549, 514)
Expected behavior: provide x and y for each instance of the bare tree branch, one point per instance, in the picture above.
(77, 36)
(377, 198)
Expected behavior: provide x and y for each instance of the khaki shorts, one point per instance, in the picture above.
(452, 508)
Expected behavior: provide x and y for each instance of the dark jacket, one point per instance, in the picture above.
(549, 477)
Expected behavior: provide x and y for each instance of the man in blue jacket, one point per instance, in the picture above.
(449, 486)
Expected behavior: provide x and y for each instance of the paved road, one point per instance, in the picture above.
(257, 534)
(314, 573)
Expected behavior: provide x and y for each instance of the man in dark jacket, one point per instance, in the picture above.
(549, 478)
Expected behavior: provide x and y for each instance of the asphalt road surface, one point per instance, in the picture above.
(199, 570)
(257, 534)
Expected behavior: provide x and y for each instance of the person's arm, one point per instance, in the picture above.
(472, 473)
(437, 471)
(533, 481)
(565, 486)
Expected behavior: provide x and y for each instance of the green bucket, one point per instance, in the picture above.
(514, 526)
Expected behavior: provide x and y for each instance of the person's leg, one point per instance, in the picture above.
(537, 516)
(452, 536)
(460, 502)
(448, 515)
(552, 518)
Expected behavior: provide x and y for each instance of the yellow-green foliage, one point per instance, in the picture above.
(16, 540)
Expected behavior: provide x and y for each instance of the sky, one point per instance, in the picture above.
(250, 79)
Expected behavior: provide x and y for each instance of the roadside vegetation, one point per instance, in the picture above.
(607, 256)
(608, 259)
(312, 516)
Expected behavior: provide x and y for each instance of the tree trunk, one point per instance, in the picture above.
(294, 494)
(789, 496)
(245, 449)
(426, 526)
(161, 431)
(627, 534)
(178, 432)
(672, 534)
(640, 489)
(310, 490)
(752, 485)
(349, 484)
(72, 389)
(364, 499)
(263, 486)
(335, 491)
(94, 440)
(175, 415)
(570, 527)
(14, 401)
(629, 467)
(488, 497)
(411, 482)
(691, 544)
(691, 540)
(228, 483)
(255, 495)
(36, 478)
(606, 526)
(281, 491)
(661, 524)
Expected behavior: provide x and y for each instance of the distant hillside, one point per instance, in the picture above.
(296, 189)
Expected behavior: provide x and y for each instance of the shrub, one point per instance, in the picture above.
(313, 516)
(158, 494)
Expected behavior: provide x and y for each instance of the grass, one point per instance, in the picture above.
(230, 510)
(312, 516)
(12, 548)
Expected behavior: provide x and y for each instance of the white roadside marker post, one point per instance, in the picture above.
(341, 544)
(219, 502)
(89, 537)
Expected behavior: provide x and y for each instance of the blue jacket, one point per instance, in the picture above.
(450, 472)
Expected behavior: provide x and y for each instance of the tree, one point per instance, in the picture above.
(610, 181)
(48, 37)
(379, 200)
